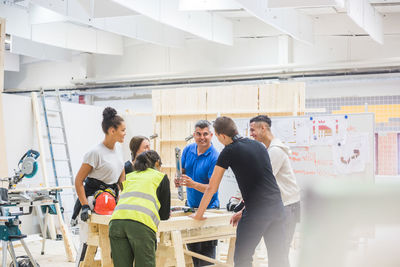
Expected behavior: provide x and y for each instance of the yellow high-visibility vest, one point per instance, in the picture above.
(138, 200)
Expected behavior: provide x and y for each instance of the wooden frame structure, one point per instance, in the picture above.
(3, 155)
(175, 111)
(173, 234)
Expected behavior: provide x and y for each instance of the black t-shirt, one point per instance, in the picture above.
(249, 161)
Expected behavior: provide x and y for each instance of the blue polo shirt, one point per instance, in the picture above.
(200, 169)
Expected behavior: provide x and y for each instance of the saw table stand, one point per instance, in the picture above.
(9, 245)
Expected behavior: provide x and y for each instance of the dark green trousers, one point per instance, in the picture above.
(132, 241)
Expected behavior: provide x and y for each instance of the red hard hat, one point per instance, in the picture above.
(105, 204)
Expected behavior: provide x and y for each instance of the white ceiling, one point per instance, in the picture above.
(57, 29)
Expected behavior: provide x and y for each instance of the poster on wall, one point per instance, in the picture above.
(308, 161)
(292, 132)
(352, 157)
(328, 130)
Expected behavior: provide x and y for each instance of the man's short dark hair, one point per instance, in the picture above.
(226, 126)
(202, 124)
(262, 118)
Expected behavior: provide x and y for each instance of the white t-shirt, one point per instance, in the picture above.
(107, 163)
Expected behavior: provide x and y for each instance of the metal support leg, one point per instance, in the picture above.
(44, 231)
(12, 253)
(28, 253)
(4, 246)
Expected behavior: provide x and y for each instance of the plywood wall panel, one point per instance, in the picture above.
(156, 101)
(282, 98)
(236, 98)
(177, 111)
(245, 98)
(267, 97)
(165, 127)
(190, 100)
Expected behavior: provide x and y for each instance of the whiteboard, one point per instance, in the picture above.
(323, 147)
(347, 155)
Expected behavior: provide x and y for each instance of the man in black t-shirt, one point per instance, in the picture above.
(263, 215)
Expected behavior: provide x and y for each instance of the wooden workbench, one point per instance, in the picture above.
(173, 235)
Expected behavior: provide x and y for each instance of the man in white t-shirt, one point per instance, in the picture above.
(260, 130)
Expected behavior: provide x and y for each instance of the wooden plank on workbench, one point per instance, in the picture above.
(178, 223)
(209, 233)
(99, 219)
(184, 222)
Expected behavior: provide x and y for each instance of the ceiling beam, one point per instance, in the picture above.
(204, 5)
(37, 50)
(287, 20)
(285, 50)
(11, 62)
(133, 26)
(40, 15)
(206, 25)
(69, 36)
(142, 28)
(365, 16)
(76, 37)
(104, 8)
(304, 3)
(93, 8)
(17, 20)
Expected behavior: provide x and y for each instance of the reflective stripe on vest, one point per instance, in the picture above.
(141, 209)
(141, 195)
(138, 200)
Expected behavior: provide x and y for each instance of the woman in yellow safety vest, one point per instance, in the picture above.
(144, 201)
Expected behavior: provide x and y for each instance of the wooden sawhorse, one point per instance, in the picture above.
(174, 234)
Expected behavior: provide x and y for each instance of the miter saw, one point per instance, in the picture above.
(27, 167)
(9, 201)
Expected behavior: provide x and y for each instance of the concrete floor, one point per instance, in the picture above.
(55, 253)
(378, 251)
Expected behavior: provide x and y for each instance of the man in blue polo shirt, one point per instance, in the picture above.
(198, 162)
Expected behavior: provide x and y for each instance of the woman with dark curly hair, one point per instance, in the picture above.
(102, 169)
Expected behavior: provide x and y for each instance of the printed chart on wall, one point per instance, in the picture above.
(329, 146)
(323, 147)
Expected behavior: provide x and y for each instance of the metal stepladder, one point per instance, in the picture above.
(59, 150)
